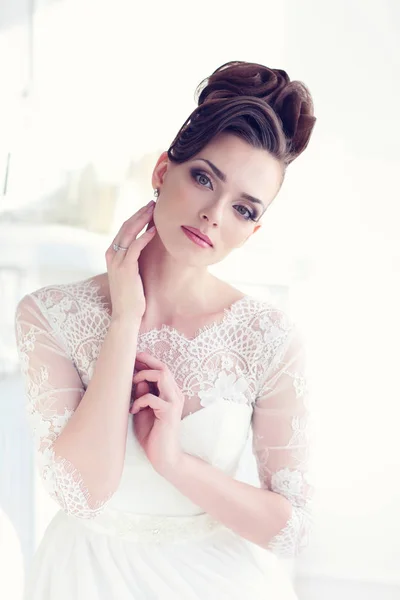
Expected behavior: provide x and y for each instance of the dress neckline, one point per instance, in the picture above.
(213, 326)
(228, 314)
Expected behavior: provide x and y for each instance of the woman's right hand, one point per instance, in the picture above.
(126, 287)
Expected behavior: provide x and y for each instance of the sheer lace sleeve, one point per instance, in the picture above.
(53, 390)
(281, 437)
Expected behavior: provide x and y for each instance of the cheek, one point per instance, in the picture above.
(169, 210)
(178, 186)
(239, 230)
(176, 196)
(233, 237)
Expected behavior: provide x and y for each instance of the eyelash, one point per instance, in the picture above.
(195, 173)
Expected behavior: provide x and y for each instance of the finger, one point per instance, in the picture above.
(159, 376)
(141, 242)
(142, 388)
(151, 223)
(136, 223)
(132, 252)
(150, 361)
(131, 229)
(151, 401)
(139, 366)
(147, 375)
(147, 208)
(123, 227)
(133, 226)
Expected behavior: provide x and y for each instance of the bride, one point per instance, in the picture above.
(143, 383)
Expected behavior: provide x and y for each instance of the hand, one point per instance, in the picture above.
(157, 415)
(126, 288)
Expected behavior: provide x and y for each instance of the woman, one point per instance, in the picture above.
(144, 382)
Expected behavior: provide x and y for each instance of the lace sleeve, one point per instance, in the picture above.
(53, 391)
(280, 440)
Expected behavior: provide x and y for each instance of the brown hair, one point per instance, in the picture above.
(256, 103)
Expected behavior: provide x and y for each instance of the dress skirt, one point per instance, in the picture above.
(78, 560)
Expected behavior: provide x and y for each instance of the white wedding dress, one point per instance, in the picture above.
(243, 375)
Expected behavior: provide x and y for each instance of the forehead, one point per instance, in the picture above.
(254, 170)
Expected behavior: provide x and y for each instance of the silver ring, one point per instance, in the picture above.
(116, 247)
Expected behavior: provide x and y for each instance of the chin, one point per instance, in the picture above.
(185, 255)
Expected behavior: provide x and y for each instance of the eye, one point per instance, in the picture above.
(201, 178)
(246, 213)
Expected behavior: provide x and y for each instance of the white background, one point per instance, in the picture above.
(115, 80)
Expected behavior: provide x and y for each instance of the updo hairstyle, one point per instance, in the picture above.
(258, 104)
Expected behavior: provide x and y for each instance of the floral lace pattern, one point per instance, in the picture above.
(254, 356)
(281, 441)
(226, 387)
(53, 389)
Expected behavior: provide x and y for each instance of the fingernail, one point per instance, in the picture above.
(150, 205)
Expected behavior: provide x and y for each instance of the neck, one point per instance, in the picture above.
(172, 288)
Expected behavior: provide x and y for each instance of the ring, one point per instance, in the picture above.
(116, 247)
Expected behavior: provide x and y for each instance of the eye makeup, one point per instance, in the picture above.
(198, 174)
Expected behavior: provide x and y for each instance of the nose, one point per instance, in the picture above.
(207, 218)
(213, 211)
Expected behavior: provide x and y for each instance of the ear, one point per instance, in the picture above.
(159, 170)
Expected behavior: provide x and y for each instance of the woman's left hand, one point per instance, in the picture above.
(157, 417)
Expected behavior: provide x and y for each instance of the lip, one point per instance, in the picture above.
(198, 233)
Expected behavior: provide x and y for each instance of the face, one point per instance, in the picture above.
(222, 193)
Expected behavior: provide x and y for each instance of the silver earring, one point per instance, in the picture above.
(156, 193)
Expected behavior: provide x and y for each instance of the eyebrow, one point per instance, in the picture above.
(222, 177)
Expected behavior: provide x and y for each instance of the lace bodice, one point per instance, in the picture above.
(250, 366)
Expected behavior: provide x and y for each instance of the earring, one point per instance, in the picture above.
(156, 193)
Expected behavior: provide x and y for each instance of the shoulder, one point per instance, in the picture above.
(274, 328)
(59, 299)
(82, 292)
(264, 311)
(265, 315)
